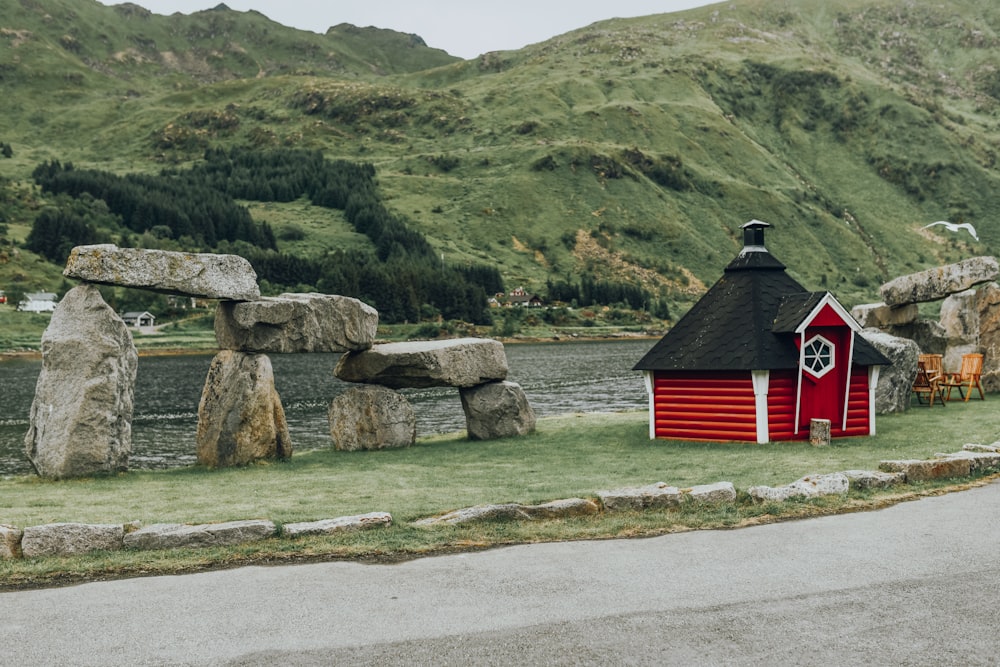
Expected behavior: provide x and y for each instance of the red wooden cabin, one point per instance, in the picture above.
(759, 357)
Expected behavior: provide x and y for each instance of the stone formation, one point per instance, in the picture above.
(81, 415)
(969, 320)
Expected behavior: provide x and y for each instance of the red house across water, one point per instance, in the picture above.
(759, 357)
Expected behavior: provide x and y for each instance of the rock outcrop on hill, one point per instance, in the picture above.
(81, 416)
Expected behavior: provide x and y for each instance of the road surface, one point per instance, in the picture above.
(916, 583)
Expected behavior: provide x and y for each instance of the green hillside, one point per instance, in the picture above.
(630, 148)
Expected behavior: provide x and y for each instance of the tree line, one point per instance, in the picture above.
(591, 292)
(180, 206)
(403, 278)
(196, 208)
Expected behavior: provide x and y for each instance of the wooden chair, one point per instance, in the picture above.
(967, 378)
(927, 385)
(934, 363)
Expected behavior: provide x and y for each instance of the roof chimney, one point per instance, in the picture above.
(753, 236)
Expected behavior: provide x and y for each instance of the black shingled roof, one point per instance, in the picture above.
(746, 321)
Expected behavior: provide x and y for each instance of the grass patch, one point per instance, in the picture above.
(569, 456)
(21, 331)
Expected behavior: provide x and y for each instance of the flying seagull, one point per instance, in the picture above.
(954, 227)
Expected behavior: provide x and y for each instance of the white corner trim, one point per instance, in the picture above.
(761, 382)
(798, 386)
(873, 372)
(647, 377)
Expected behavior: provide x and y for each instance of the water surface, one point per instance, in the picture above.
(557, 378)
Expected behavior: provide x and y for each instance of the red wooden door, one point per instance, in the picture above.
(826, 366)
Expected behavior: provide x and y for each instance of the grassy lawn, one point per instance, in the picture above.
(569, 456)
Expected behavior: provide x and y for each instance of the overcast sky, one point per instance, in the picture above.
(464, 28)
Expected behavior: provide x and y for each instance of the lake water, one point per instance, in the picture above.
(557, 378)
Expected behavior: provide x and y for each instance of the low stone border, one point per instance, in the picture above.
(179, 535)
(67, 539)
(661, 495)
(60, 539)
(339, 525)
(811, 486)
(514, 511)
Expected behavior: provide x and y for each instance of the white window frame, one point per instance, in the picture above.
(822, 340)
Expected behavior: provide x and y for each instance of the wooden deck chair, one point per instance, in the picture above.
(927, 385)
(934, 364)
(967, 378)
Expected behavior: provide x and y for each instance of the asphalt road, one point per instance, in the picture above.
(916, 583)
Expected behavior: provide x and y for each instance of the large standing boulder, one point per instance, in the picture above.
(240, 417)
(939, 282)
(296, 323)
(195, 274)
(497, 410)
(461, 362)
(960, 320)
(960, 317)
(895, 382)
(371, 417)
(928, 334)
(988, 304)
(81, 416)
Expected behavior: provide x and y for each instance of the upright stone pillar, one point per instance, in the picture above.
(988, 303)
(960, 320)
(81, 416)
(240, 417)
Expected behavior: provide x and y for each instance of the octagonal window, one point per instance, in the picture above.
(818, 356)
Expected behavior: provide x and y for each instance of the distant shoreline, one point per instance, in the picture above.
(10, 355)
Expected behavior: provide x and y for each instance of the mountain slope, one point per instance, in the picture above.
(631, 148)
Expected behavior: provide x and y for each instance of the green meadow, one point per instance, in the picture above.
(574, 455)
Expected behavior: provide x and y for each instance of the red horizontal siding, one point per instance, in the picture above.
(781, 395)
(858, 417)
(708, 406)
(721, 406)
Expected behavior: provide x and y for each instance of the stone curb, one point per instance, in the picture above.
(339, 525)
(179, 535)
(61, 539)
(514, 511)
